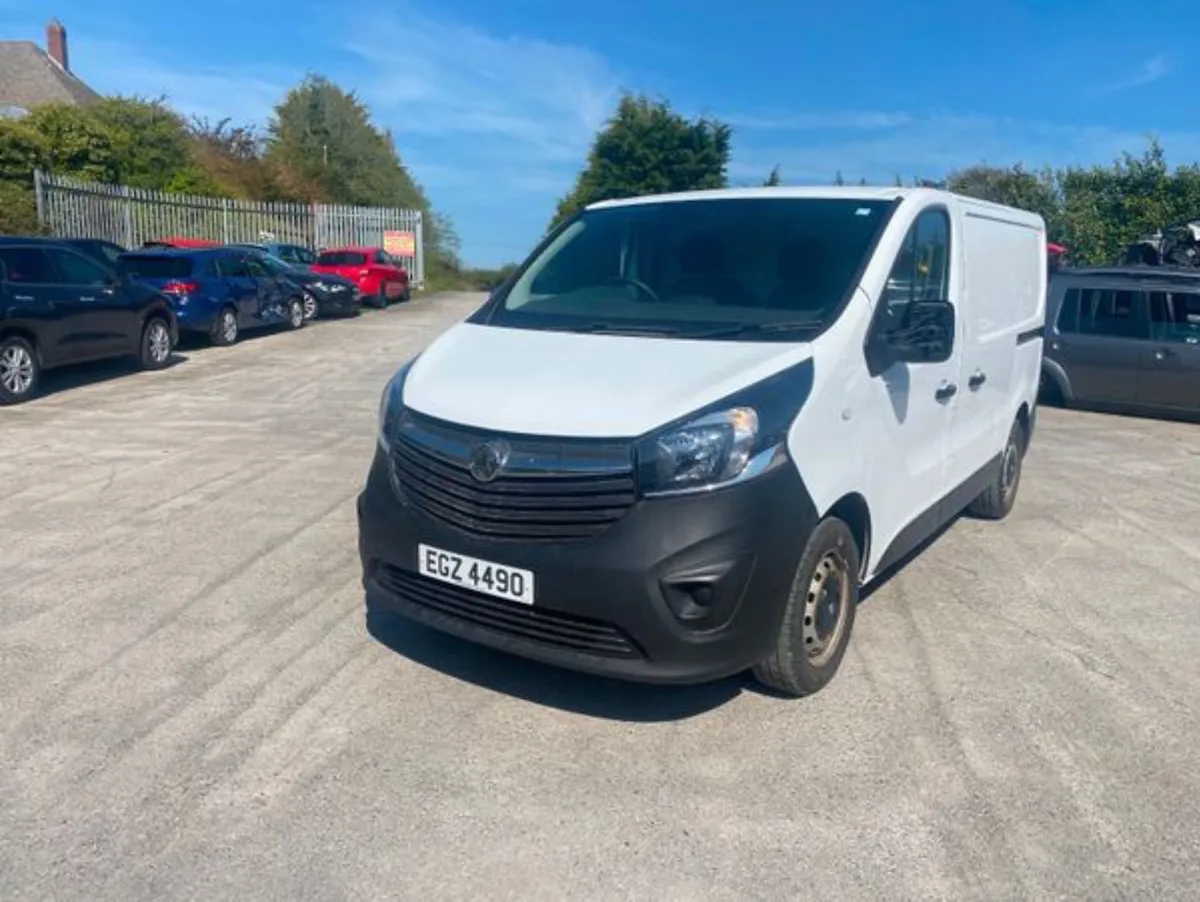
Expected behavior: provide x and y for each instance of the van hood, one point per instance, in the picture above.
(580, 385)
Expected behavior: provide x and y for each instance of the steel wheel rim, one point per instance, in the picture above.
(1010, 469)
(160, 343)
(16, 370)
(826, 608)
(229, 326)
(297, 311)
(310, 307)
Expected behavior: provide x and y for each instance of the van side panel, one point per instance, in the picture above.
(1006, 309)
(1003, 297)
(886, 438)
(881, 438)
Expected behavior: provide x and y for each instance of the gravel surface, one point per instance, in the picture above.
(194, 704)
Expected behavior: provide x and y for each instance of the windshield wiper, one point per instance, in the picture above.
(807, 325)
(618, 329)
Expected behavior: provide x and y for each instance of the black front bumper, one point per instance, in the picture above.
(679, 590)
(338, 304)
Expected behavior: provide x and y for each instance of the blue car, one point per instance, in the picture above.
(218, 292)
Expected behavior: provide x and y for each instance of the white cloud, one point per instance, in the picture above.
(529, 99)
(931, 145)
(1150, 71)
(244, 95)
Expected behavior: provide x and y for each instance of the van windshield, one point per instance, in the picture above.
(757, 267)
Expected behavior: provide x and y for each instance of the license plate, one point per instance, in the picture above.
(392, 289)
(510, 583)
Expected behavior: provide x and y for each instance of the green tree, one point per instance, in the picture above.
(1013, 186)
(22, 149)
(322, 145)
(774, 180)
(648, 148)
(77, 144)
(150, 141)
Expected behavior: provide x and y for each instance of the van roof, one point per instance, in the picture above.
(847, 192)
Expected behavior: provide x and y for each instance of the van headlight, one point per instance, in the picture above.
(391, 405)
(710, 451)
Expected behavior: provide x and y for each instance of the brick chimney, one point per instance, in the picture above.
(56, 43)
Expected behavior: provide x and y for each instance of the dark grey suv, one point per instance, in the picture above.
(1124, 338)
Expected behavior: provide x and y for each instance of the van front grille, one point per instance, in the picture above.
(551, 492)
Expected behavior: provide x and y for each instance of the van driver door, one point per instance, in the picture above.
(914, 402)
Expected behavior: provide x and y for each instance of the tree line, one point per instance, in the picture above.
(1094, 211)
(320, 145)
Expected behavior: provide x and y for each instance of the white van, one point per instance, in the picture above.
(676, 443)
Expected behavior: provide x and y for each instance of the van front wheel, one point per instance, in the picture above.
(819, 615)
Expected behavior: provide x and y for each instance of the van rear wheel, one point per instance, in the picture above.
(819, 616)
(997, 500)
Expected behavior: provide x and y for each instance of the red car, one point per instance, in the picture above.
(181, 243)
(379, 276)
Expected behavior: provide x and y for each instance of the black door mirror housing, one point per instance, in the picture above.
(926, 335)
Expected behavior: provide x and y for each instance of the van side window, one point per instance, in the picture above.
(921, 271)
(1175, 316)
(1108, 312)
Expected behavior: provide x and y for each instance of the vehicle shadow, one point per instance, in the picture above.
(77, 375)
(567, 690)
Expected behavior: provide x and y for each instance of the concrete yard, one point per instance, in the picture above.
(194, 706)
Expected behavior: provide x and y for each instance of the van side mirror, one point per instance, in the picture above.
(925, 335)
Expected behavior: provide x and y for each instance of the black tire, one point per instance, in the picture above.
(225, 327)
(997, 500)
(20, 371)
(406, 295)
(1051, 391)
(295, 309)
(156, 349)
(810, 648)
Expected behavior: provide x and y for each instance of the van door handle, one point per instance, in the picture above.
(22, 297)
(976, 381)
(86, 297)
(946, 391)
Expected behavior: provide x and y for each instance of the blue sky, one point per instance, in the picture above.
(494, 102)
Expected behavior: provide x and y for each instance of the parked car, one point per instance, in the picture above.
(324, 294)
(60, 307)
(102, 251)
(181, 242)
(1125, 338)
(676, 443)
(380, 277)
(220, 292)
(295, 254)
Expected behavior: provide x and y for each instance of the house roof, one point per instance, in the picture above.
(29, 78)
